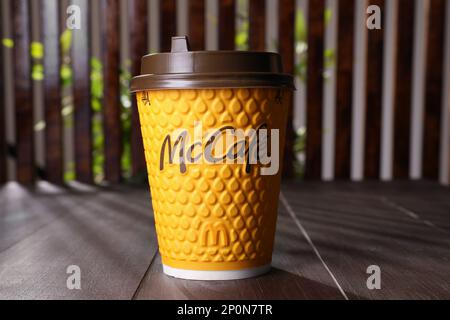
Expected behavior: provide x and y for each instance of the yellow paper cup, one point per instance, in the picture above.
(215, 206)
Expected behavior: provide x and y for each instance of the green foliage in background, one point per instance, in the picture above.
(301, 45)
(8, 43)
(300, 68)
(98, 139)
(300, 71)
(66, 68)
(66, 76)
(97, 85)
(37, 55)
(242, 36)
(242, 32)
(125, 101)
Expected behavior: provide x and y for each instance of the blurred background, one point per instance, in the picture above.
(370, 104)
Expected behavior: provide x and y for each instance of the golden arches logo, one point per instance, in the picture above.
(214, 234)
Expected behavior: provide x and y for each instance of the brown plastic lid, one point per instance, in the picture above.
(182, 69)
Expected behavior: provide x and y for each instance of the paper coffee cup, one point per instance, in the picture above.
(213, 127)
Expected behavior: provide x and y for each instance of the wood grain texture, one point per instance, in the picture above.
(314, 91)
(52, 91)
(227, 24)
(344, 88)
(3, 151)
(81, 52)
(112, 127)
(110, 234)
(257, 25)
(106, 232)
(286, 18)
(403, 88)
(354, 229)
(431, 207)
(23, 92)
(374, 96)
(433, 88)
(137, 18)
(197, 23)
(22, 214)
(296, 274)
(168, 24)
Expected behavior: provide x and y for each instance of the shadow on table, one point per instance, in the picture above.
(277, 284)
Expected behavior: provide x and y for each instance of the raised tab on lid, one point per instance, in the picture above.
(180, 44)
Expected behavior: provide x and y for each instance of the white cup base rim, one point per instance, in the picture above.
(215, 275)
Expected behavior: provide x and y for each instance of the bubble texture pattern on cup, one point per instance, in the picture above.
(213, 216)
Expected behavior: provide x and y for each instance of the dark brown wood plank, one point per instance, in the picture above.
(374, 96)
(353, 229)
(403, 88)
(286, 27)
(22, 214)
(431, 208)
(81, 52)
(3, 153)
(168, 24)
(52, 91)
(137, 17)
(314, 91)
(257, 25)
(111, 95)
(433, 88)
(426, 201)
(197, 24)
(107, 233)
(296, 274)
(344, 88)
(23, 92)
(227, 24)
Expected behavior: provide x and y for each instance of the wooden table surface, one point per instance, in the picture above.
(328, 234)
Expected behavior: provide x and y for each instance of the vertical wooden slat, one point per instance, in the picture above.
(111, 94)
(137, 10)
(23, 92)
(433, 88)
(227, 25)
(52, 89)
(197, 24)
(257, 27)
(344, 88)
(286, 18)
(374, 97)
(168, 24)
(2, 113)
(81, 51)
(314, 93)
(403, 87)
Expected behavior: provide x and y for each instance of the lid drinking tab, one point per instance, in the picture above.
(180, 44)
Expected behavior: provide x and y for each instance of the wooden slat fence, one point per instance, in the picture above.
(3, 148)
(81, 52)
(226, 24)
(137, 10)
(111, 102)
(344, 88)
(24, 150)
(197, 24)
(403, 88)
(286, 19)
(314, 93)
(51, 15)
(374, 96)
(433, 88)
(52, 91)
